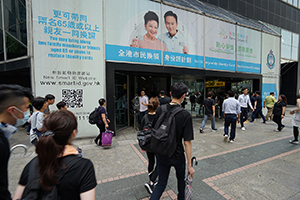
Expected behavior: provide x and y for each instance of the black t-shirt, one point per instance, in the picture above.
(258, 101)
(78, 178)
(143, 122)
(184, 127)
(208, 103)
(4, 156)
(277, 110)
(164, 100)
(252, 99)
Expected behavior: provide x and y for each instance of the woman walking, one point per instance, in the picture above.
(103, 120)
(58, 164)
(296, 121)
(279, 111)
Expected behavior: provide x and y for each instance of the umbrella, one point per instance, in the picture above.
(188, 183)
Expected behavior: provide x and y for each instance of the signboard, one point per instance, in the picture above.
(68, 55)
(248, 50)
(215, 84)
(270, 64)
(219, 45)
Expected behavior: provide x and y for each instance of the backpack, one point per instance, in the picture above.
(93, 117)
(33, 189)
(163, 134)
(144, 136)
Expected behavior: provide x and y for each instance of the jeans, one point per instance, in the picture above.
(164, 165)
(244, 116)
(141, 115)
(205, 119)
(230, 119)
(259, 111)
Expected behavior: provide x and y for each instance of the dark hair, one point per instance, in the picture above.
(178, 89)
(231, 93)
(153, 104)
(251, 93)
(60, 105)
(283, 97)
(39, 102)
(49, 97)
(151, 16)
(101, 101)
(61, 123)
(170, 13)
(210, 94)
(13, 95)
(162, 92)
(272, 93)
(257, 92)
(244, 89)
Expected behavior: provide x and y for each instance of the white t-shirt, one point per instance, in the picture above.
(36, 121)
(143, 99)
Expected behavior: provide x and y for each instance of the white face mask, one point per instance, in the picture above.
(25, 118)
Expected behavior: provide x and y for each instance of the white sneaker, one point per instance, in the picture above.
(231, 141)
(225, 138)
(243, 128)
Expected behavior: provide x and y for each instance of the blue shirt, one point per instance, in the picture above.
(231, 106)
(175, 43)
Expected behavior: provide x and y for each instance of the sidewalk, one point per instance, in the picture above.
(260, 164)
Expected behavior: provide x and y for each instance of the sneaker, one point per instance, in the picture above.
(149, 187)
(265, 122)
(231, 141)
(95, 141)
(243, 128)
(251, 121)
(201, 130)
(213, 130)
(225, 138)
(282, 127)
(294, 142)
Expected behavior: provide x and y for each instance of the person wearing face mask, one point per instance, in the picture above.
(36, 119)
(14, 111)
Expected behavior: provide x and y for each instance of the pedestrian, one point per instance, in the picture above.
(103, 120)
(152, 171)
(183, 103)
(209, 111)
(184, 131)
(61, 105)
(163, 99)
(258, 107)
(270, 101)
(279, 111)
(193, 102)
(244, 101)
(36, 119)
(50, 100)
(56, 154)
(143, 109)
(231, 110)
(135, 105)
(14, 111)
(220, 103)
(296, 121)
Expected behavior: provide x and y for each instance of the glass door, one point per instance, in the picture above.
(121, 100)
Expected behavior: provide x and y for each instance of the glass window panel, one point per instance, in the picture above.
(295, 53)
(295, 3)
(290, 1)
(285, 51)
(286, 37)
(1, 46)
(295, 40)
(14, 49)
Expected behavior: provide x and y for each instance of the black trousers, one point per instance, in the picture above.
(99, 137)
(277, 120)
(152, 172)
(244, 116)
(296, 132)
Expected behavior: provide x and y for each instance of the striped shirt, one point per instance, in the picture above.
(231, 106)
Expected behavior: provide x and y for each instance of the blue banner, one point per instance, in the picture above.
(267, 88)
(179, 59)
(132, 54)
(248, 67)
(219, 64)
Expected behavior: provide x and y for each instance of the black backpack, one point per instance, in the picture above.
(163, 134)
(144, 136)
(93, 117)
(33, 189)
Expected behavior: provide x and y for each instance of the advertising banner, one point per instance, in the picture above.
(183, 36)
(270, 64)
(68, 56)
(132, 29)
(219, 45)
(248, 50)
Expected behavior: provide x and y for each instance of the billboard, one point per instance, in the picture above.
(270, 64)
(68, 55)
(248, 50)
(219, 45)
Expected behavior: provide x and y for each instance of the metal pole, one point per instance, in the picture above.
(3, 31)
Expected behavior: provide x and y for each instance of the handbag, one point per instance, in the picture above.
(106, 139)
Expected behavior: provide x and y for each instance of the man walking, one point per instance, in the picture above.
(244, 101)
(163, 99)
(209, 111)
(143, 109)
(270, 101)
(231, 109)
(184, 131)
(14, 111)
(258, 107)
